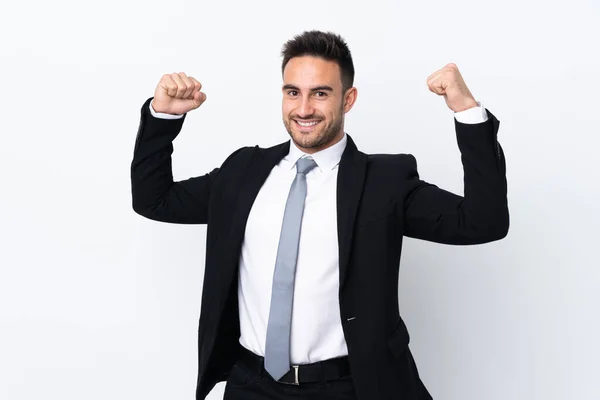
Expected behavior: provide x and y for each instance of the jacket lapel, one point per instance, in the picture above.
(257, 171)
(351, 177)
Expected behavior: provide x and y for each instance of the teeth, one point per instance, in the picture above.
(313, 123)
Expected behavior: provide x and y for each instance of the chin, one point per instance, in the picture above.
(307, 140)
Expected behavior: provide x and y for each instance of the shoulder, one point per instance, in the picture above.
(242, 156)
(397, 162)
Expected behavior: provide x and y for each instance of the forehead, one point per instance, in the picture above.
(309, 71)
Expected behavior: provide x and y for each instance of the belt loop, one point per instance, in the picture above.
(321, 372)
(262, 369)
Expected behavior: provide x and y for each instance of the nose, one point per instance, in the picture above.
(305, 109)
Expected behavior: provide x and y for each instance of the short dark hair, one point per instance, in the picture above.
(326, 45)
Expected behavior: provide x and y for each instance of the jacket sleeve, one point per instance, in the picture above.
(481, 216)
(154, 194)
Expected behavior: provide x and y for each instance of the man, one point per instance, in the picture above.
(342, 336)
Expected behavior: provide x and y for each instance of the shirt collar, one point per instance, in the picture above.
(326, 159)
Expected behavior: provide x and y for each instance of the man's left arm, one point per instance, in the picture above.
(481, 216)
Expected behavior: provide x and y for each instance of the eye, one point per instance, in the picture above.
(321, 94)
(292, 92)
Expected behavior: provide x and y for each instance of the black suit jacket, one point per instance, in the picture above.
(380, 199)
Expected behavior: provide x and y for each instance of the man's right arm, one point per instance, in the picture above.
(154, 194)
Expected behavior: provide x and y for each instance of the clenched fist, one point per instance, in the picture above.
(177, 94)
(448, 82)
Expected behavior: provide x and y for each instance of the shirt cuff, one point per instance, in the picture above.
(163, 115)
(474, 115)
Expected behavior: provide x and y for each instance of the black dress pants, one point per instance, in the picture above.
(246, 384)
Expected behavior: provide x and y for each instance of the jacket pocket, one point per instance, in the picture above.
(399, 339)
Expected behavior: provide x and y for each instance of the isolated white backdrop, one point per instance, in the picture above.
(98, 303)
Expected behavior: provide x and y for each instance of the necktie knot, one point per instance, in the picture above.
(304, 165)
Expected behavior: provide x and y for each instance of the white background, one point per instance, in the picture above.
(98, 303)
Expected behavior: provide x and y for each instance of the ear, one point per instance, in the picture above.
(350, 98)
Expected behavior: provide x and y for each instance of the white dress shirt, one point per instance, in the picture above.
(316, 330)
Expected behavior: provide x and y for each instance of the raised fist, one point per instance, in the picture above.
(448, 82)
(177, 93)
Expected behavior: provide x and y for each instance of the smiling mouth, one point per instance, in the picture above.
(306, 125)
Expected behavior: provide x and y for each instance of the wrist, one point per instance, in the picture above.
(156, 110)
(467, 104)
(161, 114)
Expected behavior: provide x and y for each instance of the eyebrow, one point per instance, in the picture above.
(314, 89)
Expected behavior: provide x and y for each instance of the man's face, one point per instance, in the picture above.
(314, 105)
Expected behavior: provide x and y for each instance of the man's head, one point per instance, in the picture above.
(318, 75)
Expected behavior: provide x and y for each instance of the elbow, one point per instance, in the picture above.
(142, 209)
(503, 224)
(500, 232)
(149, 213)
(141, 205)
(498, 227)
(505, 228)
(138, 209)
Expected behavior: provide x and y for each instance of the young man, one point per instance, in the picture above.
(304, 238)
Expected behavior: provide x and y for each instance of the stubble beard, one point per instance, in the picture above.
(316, 139)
